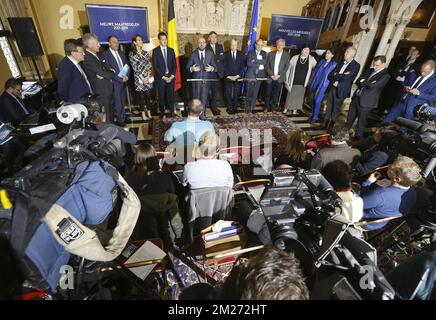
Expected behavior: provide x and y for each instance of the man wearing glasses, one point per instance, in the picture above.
(73, 83)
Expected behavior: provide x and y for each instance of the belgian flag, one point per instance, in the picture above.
(173, 41)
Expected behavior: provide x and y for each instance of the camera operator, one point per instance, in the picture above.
(395, 200)
(270, 275)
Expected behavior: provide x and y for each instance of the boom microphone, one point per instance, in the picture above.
(409, 124)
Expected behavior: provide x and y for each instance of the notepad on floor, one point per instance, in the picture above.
(148, 251)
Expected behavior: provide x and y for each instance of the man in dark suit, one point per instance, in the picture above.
(73, 83)
(256, 60)
(418, 89)
(392, 92)
(370, 85)
(218, 52)
(165, 67)
(341, 80)
(234, 65)
(116, 60)
(12, 107)
(202, 65)
(99, 74)
(277, 66)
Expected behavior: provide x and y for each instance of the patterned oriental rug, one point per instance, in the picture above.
(279, 125)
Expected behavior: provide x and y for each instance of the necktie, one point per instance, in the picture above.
(85, 77)
(213, 48)
(165, 60)
(202, 57)
(234, 56)
(119, 62)
(416, 85)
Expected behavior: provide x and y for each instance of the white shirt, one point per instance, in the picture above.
(94, 54)
(78, 66)
(352, 206)
(277, 62)
(342, 71)
(425, 78)
(117, 58)
(202, 52)
(208, 174)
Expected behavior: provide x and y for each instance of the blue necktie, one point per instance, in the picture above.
(165, 60)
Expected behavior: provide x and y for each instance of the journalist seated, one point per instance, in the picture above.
(270, 275)
(12, 107)
(395, 200)
(338, 150)
(296, 154)
(159, 217)
(189, 131)
(338, 174)
(208, 171)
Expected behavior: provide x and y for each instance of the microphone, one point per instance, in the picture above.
(409, 124)
(429, 168)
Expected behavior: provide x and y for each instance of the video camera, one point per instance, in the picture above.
(303, 214)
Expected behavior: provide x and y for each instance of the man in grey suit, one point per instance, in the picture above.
(202, 66)
(277, 65)
(256, 60)
(338, 150)
(99, 74)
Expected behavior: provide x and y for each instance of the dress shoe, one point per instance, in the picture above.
(216, 112)
(144, 116)
(285, 111)
(231, 111)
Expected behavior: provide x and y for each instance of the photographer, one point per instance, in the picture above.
(270, 275)
(395, 200)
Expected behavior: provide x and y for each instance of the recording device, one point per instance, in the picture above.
(69, 113)
(302, 211)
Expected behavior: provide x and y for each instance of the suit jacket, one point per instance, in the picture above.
(336, 152)
(345, 79)
(253, 64)
(72, 85)
(219, 58)
(283, 66)
(159, 62)
(112, 63)
(93, 67)
(399, 70)
(371, 88)
(208, 59)
(233, 68)
(10, 110)
(427, 91)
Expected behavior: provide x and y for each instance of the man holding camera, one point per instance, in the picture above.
(418, 89)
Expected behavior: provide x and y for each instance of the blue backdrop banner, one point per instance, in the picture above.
(297, 31)
(121, 21)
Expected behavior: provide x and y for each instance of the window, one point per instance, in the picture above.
(10, 59)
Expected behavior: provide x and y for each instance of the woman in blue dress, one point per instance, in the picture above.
(319, 82)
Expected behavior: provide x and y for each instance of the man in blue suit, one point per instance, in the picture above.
(234, 65)
(418, 89)
(202, 66)
(116, 59)
(256, 61)
(341, 80)
(73, 83)
(165, 66)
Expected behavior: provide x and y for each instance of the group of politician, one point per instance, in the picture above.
(210, 68)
